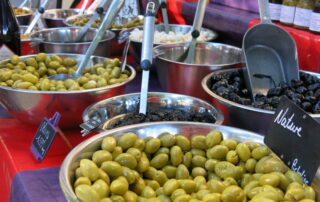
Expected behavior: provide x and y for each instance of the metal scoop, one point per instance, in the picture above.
(163, 5)
(270, 54)
(86, 27)
(124, 37)
(37, 16)
(106, 23)
(188, 55)
(146, 54)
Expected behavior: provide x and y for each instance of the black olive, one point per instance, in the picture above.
(311, 99)
(245, 92)
(316, 108)
(309, 93)
(237, 79)
(317, 93)
(296, 83)
(274, 92)
(297, 101)
(301, 89)
(275, 101)
(306, 106)
(313, 86)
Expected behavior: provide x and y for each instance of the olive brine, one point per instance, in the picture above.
(174, 168)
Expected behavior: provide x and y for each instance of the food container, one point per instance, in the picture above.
(59, 40)
(184, 78)
(116, 48)
(32, 106)
(26, 44)
(55, 17)
(26, 18)
(157, 101)
(242, 116)
(86, 148)
(135, 46)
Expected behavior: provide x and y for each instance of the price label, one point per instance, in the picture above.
(44, 137)
(294, 136)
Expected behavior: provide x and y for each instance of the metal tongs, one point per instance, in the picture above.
(37, 16)
(146, 54)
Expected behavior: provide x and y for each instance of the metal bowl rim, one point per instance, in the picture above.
(201, 65)
(215, 35)
(111, 37)
(219, 118)
(26, 26)
(228, 102)
(130, 78)
(66, 188)
(57, 9)
(66, 21)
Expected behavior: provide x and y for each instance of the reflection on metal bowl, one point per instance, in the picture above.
(61, 40)
(55, 17)
(183, 78)
(157, 101)
(241, 116)
(31, 106)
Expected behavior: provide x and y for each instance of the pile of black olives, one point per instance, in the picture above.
(174, 168)
(163, 115)
(304, 92)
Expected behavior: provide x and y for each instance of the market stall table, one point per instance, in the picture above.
(25, 175)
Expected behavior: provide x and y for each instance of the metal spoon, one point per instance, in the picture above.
(146, 55)
(37, 16)
(96, 15)
(163, 5)
(106, 23)
(188, 55)
(125, 49)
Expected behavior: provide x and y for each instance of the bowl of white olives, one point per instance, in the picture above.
(180, 161)
(28, 95)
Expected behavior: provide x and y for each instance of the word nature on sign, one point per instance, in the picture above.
(295, 136)
(44, 137)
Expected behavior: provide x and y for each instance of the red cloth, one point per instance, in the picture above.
(308, 46)
(15, 155)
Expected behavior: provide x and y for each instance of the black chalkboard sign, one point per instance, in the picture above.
(44, 137)
(295, 137)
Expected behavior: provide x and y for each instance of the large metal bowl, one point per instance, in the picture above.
(88, 147)
(135, 46)
(157, 101)
(184, 78)
(25, 19)
(55, 17)
(241, 116)
(62, 40)
(31, 106)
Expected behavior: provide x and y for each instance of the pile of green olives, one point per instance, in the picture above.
(21, 11)
(81, 21)
(32, 74)
(174, 168)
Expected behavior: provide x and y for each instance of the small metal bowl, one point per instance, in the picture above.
(86, 149)
(242, 116)
(30, 106)
(184, 78)
(55, 17)
(25, 19)
(135, 46)
(61, 40)
(157, 101)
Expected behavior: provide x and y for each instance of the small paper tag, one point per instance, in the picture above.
(44, 137)
(294, 136)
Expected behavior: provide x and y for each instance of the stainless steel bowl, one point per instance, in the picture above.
(31, 106)
(25, 19)
(88, 147)
(241, 116)
(157, 101)
(55, 17)
(135, 46)
(184, 78)
(61, 40)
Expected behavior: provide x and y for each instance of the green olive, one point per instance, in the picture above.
(295, 194)
(270, 179)
(233, 194)
(127, 140)
(167, 140)
(153, 184)
(143, 164)
(269, 164)
(106, 200)
(89, 169)
(232, 157)
(119, 186)
(152, 146)
(250, 165)
(101, 187)
(164, 198)
(260, 152)
(187, 159)
(188, 185)
(139, 144)
(198, 142)
(163, 150)
(214, 197)
(213, 176)
(243, 151)
(134, 152)
(182, 172)
(129, 175)
(176, 193)
(104, 176)
(86, 193)
(69, 62)
(246, 178)
(112, 168)
(170, 171)
(138, 186)
(250, 186)
(176, 155)
(213, 138)
(127, 160)
(100, 156)
(230, 143)
(217, 152)
(56, 58)
(284, 181)
(32, 62)
(210, 164)
(198, 161)
(14, 59)
(199, 171)
(216, 186)
(78, 173)
(170, 186)
(148, 192)
(116, 152)
(82, 180)
(183, 142)
(159, 161)
(309, 193)
(160, 177)
(150, 172)
(109, 144)
(198, 152)
(229, 181)
(294, 177)
(130, 196)
(30, 78)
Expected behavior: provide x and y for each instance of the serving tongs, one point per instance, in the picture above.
(189, 55)
(86, 27)
(106, 23)
(146, 54)
(37, 16)
(270, 54)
